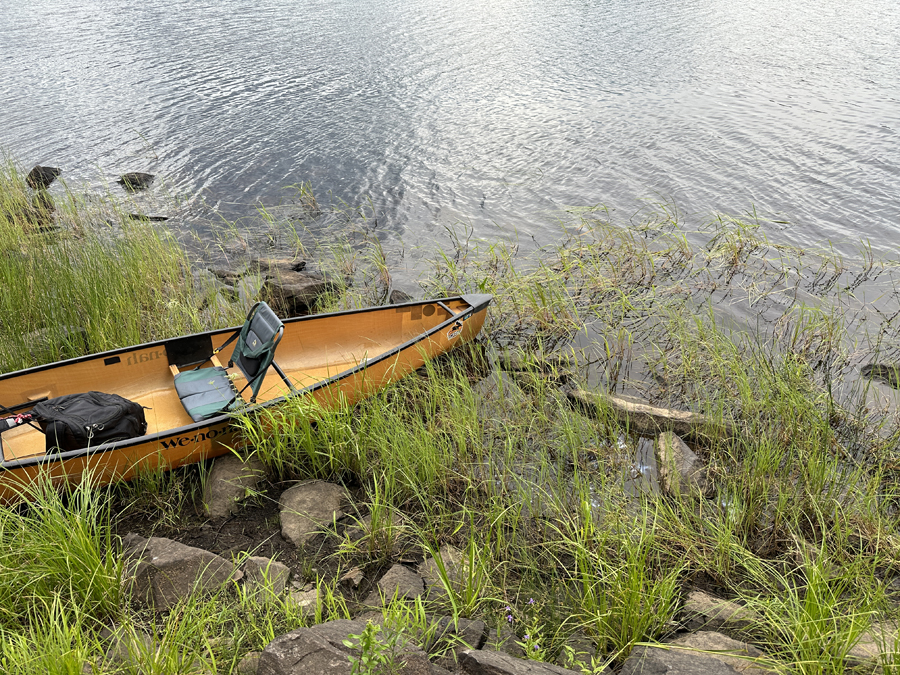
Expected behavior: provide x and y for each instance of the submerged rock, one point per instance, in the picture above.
(40, 177)
(648, 420)
(136, 180)
(146, 218)
(886, 373)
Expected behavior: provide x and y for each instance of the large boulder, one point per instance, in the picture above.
(308, 507)
(649, 420)
(161, 572)
(290, 288)
(703, 653)
(231, 480)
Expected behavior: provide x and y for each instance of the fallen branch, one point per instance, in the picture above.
(649, 420)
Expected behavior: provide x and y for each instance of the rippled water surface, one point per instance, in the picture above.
(497, 114)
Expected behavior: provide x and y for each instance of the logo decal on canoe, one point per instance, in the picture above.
(183, 441)
(455, 330)
(135, 359)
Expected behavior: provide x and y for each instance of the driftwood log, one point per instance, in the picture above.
(649, 420)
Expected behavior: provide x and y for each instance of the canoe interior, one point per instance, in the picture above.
(312, 350)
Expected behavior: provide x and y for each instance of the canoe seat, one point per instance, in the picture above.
(207, 392)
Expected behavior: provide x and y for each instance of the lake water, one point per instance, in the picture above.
(499, 115)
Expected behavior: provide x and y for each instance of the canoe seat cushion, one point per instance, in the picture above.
(206, 392)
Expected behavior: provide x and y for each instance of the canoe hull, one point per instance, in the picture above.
(195, 442)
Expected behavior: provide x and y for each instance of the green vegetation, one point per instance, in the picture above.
(86, 277)
(559, 535)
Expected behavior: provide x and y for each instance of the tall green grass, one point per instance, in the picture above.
(87, 278)
(556, 538)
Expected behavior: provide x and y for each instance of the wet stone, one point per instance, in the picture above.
(136, 180)
(398, 297)
(681, 471)
(40, 177)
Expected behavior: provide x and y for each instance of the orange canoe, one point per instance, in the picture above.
(331, 357)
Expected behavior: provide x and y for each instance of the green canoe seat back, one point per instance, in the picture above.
(207, 392)
(255, 348)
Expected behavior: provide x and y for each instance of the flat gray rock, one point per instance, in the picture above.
(693, 655)
(320, 650)
(476, 662)
(309, 507)
(398, 581)
(160, 572)
(230, 481)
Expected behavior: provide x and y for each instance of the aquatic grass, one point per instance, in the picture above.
(78, 284)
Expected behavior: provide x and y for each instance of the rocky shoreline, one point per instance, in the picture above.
(708, 635)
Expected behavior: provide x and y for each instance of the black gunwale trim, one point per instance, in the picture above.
(481, 302)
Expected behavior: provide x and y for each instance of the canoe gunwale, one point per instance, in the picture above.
(476, 304)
